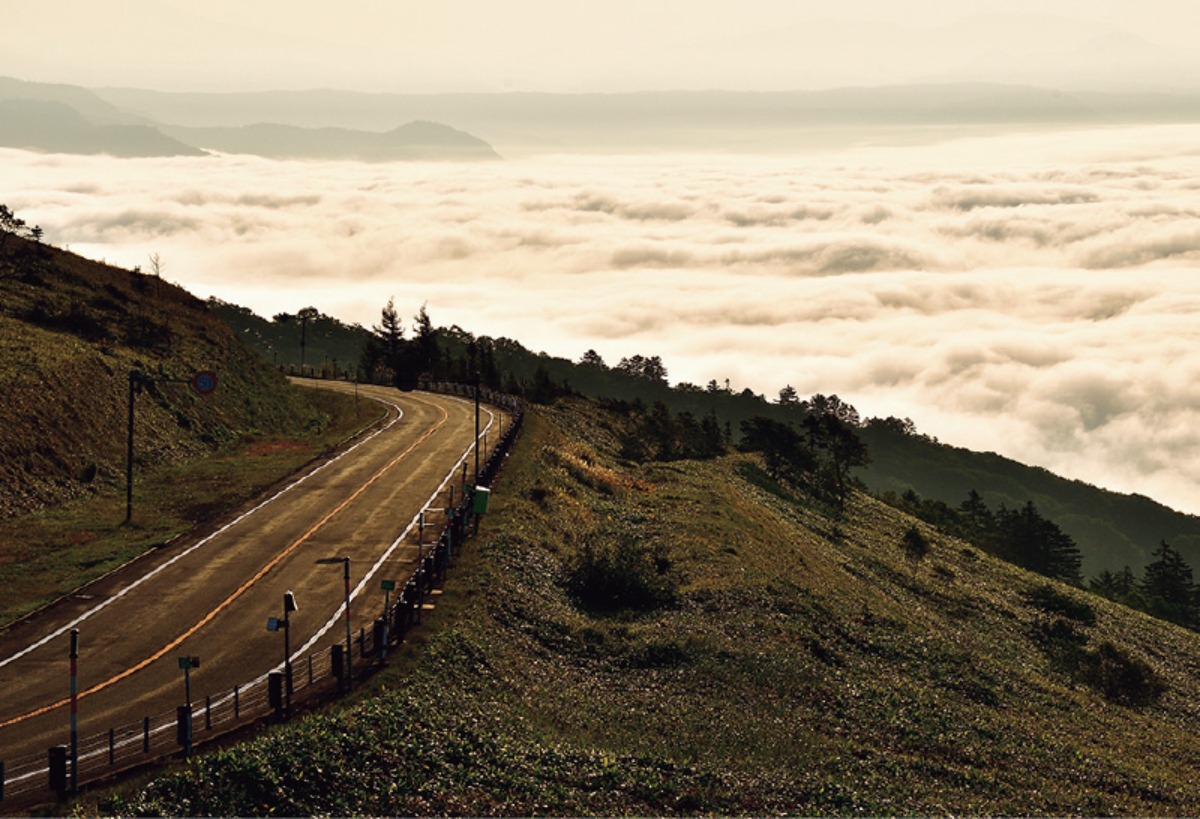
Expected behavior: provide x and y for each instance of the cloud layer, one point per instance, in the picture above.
(1035, 295)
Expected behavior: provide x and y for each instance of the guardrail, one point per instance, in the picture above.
(40, 778)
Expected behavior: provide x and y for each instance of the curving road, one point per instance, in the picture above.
(212, 597)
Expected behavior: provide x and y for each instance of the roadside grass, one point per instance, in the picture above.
(804, 662)
(53, 551)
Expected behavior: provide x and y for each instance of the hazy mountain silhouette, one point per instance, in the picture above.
(69, 119)
(47, 125)
(89, 106)
(712, 119)
(416, 140)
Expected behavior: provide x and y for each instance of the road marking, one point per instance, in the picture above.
(246, 585)
(335, 620)
(117, 596)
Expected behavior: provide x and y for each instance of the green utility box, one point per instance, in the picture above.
(482, 496)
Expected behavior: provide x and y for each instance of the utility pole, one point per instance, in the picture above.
(74, 710)
(135, 384)
(476, 427)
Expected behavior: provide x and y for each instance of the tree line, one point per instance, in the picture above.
(815, 449)
(13, 225)
(818, 455)
(1022, 536)
(1165, 590)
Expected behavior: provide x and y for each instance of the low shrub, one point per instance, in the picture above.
(1052, 601)
(609, 576)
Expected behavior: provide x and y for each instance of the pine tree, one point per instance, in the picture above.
(1036, 543)
(976, 517)
(425, 338)
(1168, 586)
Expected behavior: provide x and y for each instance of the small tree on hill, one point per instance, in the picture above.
(9, 223)
(784, 450)
(427, 353)
(651, 369)
(840, 450)
(821, 405)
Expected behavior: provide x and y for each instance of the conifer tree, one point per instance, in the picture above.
(1168, 586)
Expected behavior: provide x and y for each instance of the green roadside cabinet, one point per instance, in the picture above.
(483, 496)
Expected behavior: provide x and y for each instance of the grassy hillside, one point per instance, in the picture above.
(1112, 529)
(691, 637)
(71, 331)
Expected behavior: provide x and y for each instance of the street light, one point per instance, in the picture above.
(275, 624)
(477, 427)
(187, 664)
(345, 561)
(74, 710)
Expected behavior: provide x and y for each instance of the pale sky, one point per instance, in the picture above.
(617, 45)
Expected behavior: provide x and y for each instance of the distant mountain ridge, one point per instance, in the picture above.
(708, 119)
(68, 119)
(329, 124)
(47, 125)
(415, 140)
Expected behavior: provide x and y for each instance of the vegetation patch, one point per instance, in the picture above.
(793, 674)
(1053, 600)
(608, 576)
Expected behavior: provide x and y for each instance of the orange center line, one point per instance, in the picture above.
(245, 586)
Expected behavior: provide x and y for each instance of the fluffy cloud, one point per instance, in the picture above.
(1035, 294)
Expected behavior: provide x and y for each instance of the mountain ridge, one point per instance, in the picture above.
(70, 119)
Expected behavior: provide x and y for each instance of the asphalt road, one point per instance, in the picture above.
(211, 597)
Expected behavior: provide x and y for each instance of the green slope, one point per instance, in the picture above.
(1113, 530)
(744, 652)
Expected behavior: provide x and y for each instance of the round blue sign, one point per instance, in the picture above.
(204, 382)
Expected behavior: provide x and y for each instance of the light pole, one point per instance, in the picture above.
(289, 605)
(275, 624)
(74, 710)
(345, 561)
(187, 664)
(477, 427)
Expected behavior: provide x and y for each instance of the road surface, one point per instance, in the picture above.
(212, 597)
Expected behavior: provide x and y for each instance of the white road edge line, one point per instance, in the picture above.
(99, 607)
(337, 614)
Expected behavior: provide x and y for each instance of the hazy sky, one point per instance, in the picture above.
(616, 45)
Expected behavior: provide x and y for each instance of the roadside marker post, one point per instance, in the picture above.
(284, 624)
(387, 586)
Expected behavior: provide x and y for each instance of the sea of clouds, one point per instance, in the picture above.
(1035, 295)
